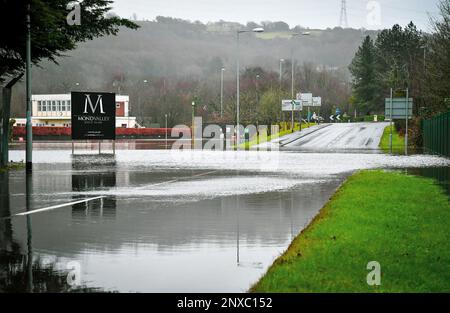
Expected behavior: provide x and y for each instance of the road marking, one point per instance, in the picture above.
(100, 197)
(58, 206)
(178, 179)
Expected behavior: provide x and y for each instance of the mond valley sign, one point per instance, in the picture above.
(93, 116)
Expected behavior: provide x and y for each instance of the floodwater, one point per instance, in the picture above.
(168, 221)
(343, 136)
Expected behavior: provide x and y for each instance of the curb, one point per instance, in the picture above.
(284, 143)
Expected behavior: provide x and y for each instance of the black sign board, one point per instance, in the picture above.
(93, 115)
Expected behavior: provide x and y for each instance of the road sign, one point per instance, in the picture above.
(288, 105)
(93, 115)
(306, 99)
(399, 110)
(317, 101)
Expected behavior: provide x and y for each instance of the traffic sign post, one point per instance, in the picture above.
(406, 118)
(291, 105)
(399, 108)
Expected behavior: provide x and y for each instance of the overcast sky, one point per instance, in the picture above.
(308, 13)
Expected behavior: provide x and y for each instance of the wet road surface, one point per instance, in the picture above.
(195, 221)
(343, 136)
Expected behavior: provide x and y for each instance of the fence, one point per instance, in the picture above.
(436, 134)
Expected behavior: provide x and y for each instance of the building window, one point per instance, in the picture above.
(39, 106)
(58, 106)
(63, 105)
(54, 106)
(44, 106)
(68, 105)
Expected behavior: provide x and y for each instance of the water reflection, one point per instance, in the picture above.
(157, 229)
(20, 270)
(84, 180)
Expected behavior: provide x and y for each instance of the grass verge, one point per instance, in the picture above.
(398, 142)
(256, 140)
(397, 220)
(12, 166)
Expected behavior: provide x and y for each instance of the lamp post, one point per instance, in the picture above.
(293, 77)
(257, 97)
(193, 119)
(29, 123)
(165, 115)
(221, 92)
(255, 30)
(281, 72)
(145, 82)
(280, 83)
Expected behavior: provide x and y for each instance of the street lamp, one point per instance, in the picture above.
(221, 91)
(193, 118)
(257, 97)
(292, 78)
(165, 115)
(255, 30)
(145, 81)
(281, 71)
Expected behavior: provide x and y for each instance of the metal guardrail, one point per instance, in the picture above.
(436, 135)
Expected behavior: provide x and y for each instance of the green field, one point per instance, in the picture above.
(397, 220)
(398, 142)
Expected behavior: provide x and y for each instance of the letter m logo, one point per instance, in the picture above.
(98, 103)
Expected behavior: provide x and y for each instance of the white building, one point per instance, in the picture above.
(55, 110)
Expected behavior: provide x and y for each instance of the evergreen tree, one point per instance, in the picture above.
(365, 84)
(438, 63)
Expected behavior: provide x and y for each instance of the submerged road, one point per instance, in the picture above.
(351, 136)
(169, 220)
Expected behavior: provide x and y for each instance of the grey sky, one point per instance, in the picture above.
(309, 13)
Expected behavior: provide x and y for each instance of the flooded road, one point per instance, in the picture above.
(343, 136)
(167, 221)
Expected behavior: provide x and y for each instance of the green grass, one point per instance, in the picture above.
(398, 142)
(12, 166)
(256, 140)
(400, 221)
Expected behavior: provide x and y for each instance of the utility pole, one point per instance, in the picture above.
(29, 125)
(221, 92)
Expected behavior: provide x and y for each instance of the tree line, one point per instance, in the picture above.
(401, 58)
